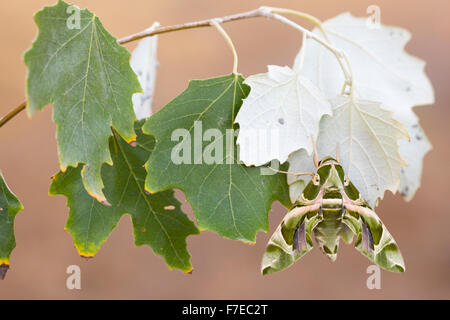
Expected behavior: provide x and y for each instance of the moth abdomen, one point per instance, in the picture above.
(328, 230)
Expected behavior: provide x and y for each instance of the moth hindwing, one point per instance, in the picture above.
(330, 208)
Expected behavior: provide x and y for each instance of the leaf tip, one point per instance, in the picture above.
(3, 270)
(87, 256)
(83, 253)
(105, 203)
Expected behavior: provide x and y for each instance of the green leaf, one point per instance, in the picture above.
(9, 207)
(157, 219)
(88, 78)
(227, 197)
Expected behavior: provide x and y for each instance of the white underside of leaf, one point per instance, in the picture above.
(368, 149)
(413, 152)
(144, 64)
(383, 72)
(299, 161)
(280, 115)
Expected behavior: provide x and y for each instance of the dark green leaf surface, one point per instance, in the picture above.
(227, 197)
(157, 219)
(9, 207)
(87, 77)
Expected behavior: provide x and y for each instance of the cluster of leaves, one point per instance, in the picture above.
(365, 125)
(112, 164)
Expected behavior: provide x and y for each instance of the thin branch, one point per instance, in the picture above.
(337, 53)
(190, 25)
(12, 113)
(267, 12)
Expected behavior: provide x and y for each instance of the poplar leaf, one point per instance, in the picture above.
(299, 161)
(157, 219)
(383, 71)
(144, 64)
(196, 152)
(280, 115)
(87, 76)
(413, 152)
(367, 137)
(9, 207)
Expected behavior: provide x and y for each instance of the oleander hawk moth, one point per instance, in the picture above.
(330, 208)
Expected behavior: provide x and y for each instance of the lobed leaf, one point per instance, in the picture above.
(157, 218)
(366, 136)
(226, 196)
(280, 115)
(88, 78)
(9, 207)
(383, 71)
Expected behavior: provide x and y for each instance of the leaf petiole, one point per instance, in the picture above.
(216, 24)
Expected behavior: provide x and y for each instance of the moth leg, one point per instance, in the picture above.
(320, 212)
(292, 173)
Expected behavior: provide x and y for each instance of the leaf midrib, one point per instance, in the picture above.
(144, 196)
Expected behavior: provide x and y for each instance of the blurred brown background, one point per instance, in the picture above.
(223, 268)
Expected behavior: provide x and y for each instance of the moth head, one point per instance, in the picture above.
(331, 175)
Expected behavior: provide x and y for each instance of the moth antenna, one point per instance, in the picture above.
(293, 173)
(316, 155)
(337, 153)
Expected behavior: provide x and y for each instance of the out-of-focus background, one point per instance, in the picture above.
(224, 269)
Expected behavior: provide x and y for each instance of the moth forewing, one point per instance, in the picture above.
(384, 252)
(283, 249)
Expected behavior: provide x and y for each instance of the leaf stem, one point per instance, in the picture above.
(215, 23)
(340, 56)
(302, 15)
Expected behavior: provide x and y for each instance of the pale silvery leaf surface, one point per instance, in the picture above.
(413, 152)
(299, 161)
(383, 72)
(280, 115)
(368, 149)
(144, 64)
